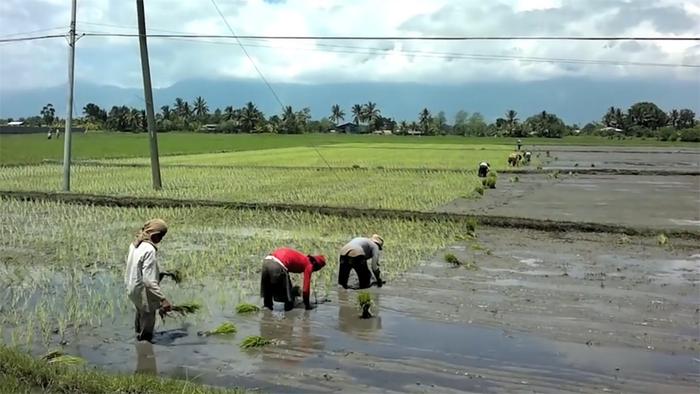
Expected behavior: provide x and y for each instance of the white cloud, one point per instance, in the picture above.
(115, 60)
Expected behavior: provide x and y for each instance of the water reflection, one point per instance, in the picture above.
(294, 332)
(145, 358)
(349, 320)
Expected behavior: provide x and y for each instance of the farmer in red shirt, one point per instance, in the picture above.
(275, 283)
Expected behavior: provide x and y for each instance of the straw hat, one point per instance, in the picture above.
(378, 240)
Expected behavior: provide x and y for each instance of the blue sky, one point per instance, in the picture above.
(115, 61)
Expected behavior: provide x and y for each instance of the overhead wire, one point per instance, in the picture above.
(262, 76)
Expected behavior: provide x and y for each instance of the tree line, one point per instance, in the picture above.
(642, 119)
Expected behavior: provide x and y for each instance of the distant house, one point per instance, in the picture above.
(615, 129)
(209, 127)
(414, 132)
(348, 128)
(15, 123)
(382, 132)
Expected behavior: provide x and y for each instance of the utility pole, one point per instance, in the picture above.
(148, 94)
(69, 105)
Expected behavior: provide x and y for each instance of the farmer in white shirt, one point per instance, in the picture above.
(354, 256)
(142, 278)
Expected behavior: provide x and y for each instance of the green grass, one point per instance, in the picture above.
(372, 156)
(452, 259)
(19, 149)
(21, 373)
(247, 308)
(345, 188)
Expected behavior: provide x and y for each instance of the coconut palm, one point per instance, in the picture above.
(371, 113)
(425, 119)
(165, 110)
(48, 114)
(180, 106)
(336, 114)
(674, 118)
(250, 117)
(229, 113)
(511, 121)
(289, 120)
(200, 107)
(358, 114)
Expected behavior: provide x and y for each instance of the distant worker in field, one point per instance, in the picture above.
(520, 143)
(484, 168)
(514, 159)
(275, 283)
(142, 278)
(528, 157)
(49, 134)
(354, 256)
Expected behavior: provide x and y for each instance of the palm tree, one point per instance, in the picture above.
(48, 114)
(165, 110)
(186, 111)
(229, 113)
(674, 118)
(358, 114)
(425, 119)
(371, 113)
(511, 121)
(336, 114)
(250, 117)
(289, 120)
(179, 106)
(200, 107)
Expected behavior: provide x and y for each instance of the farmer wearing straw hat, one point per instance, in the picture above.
(354, 256)
(275, 283)
(142, 278)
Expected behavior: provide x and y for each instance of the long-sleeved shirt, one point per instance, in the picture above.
(297, 263)
(362, 247)
(142, 277)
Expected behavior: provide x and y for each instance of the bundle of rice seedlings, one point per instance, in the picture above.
(59, 357)
(471, 265)
(515, 179)
(452, 259)
(182, 309)
(490, 180)
(247, 308)
(364, 299)
(254, 341)
(223, 329)
(662, 239)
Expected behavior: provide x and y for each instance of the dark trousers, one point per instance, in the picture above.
(276, 285)
(357, 263)
(144, 324)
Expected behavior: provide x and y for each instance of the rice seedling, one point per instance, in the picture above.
(515, 179)
(662, 239)
(254, 341)
(182, 309)
(226, 328)
(452, 259)
(59, 357)
(247, 308)
(470, 265)
(364, 300)
(490, 180)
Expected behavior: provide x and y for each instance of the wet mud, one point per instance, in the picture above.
(543, 312)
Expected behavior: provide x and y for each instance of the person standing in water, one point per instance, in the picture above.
(354, 256)
(142, 278)
(275, 283)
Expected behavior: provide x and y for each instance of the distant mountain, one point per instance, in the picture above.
(575, 100)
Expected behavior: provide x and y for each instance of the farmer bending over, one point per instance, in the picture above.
(142, 278)
(275, 283)
(528, 156)
(484, 168)
(354, 256)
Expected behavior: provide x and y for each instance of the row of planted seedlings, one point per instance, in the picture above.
(62, 264)
(402, 189)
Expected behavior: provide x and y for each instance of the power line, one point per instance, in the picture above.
(32, 38)
(233, 33)
(265, 79)
(34, 31)
(409, 38)
(449, 55)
